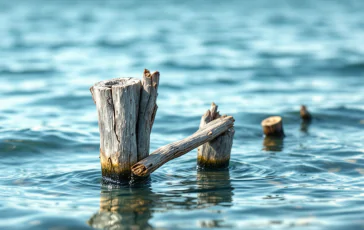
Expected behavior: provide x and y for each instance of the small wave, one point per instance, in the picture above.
(29, 71)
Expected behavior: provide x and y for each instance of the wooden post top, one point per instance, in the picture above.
(117, 82)
(271, 121)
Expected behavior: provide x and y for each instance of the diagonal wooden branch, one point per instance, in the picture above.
(176, 149)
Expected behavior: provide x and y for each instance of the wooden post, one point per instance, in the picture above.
(148, 109)
(305, 115)
(273, 126)
(117, 103)
(126, 110)
(215, 154)
(179, 148)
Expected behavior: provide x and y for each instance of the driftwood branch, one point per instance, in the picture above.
(179, 148)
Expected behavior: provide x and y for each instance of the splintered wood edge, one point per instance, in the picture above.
(139, 170)
(116, 82)
(271, 121)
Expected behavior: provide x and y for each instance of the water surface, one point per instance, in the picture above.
(253, 59)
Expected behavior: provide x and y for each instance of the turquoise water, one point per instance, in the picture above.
(254, 59)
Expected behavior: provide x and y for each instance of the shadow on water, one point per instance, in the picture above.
(273, 143)
(214, 188)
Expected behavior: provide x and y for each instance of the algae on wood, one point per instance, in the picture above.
(117, 103)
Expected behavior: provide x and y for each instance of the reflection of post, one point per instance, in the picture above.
(273, 143)
(214, 188)
(305, 125)
(124, 209)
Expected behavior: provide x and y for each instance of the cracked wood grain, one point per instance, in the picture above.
(117, 104)
(147, 111)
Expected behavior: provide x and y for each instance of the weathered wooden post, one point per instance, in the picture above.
(176, 149)
(148, 110)
(126, 110)
(305, 115)
(215, 154)
(273, 126)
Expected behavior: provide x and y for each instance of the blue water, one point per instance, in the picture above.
(252, 58)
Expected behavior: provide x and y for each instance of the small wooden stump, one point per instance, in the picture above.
(305, 115)
(215, 154)
(176, 149)
(126, 110)
(273, 126)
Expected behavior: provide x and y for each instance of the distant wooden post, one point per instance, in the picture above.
(305, 115)
(273, 126)
(126, 110)
(215, 154)
(176, 149)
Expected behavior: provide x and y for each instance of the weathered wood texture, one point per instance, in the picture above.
(147, 111)
(215, 154)
(273, 126)
(305, 115)
(178, 148)
(117, 103)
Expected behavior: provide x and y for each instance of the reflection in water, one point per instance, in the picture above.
(132, 207)
(273, 143)
(124, 208)
(214, 188)
(305, 125)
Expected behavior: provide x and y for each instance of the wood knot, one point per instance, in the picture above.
(209, 133)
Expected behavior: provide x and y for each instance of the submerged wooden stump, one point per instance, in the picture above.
(126, 110)
(215, 154)
(176, 149)
(273, 126)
